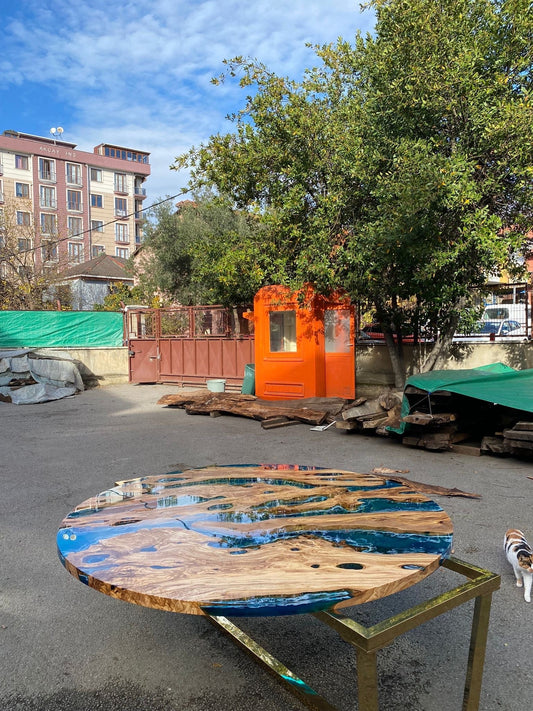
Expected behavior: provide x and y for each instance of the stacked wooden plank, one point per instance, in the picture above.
(368, 416)
(518, 440)
(437, 431)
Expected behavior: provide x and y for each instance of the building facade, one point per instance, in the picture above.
(73, 205)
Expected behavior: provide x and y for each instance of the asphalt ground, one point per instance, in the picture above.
(66, 647)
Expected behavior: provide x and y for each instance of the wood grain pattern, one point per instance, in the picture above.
(256, 539)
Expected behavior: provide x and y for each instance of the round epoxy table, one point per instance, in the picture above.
(260, 540)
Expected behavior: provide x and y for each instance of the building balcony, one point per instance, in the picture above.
(1, 168)
(74, 206)
(1, 196)
(140, 192)
(48, 204)
(121, 213)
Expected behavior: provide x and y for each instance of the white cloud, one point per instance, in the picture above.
(139, 74)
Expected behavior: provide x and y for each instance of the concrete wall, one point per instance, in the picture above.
(98, 366)
(374, 371)
(107, 366)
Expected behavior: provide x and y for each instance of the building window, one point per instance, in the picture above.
(121, 207)
(97, 226)
(96, 250)
(74, 200)
(123, 252)
(121, 233)
(97, 201)
(121, 183)
(47, 169)
(75, 227)
(96, 175)
(47, 197)
(21, 162)
(282, 331)
(49, 252)
(48, 223)
(75, 252)
(24, 272)
(74, 174)
(22, 190)
(23, 218)
(24, 244)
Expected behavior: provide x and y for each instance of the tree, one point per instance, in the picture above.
(25, 284)
(399, 168)
(120, 294)
(204, 252)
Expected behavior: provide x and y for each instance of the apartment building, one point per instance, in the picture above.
(75, 204)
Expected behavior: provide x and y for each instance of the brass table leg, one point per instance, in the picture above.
(368, 640)
(367, 681)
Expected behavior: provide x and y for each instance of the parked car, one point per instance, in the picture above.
(374, 334)
(487, 331)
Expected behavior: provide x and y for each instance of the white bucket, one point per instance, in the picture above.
(216, 386)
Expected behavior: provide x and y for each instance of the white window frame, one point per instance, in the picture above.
(75, 232)
(75, 252)
(51, 218)
(47, 196)
(122, 233)
(73, 174)
(22, 186)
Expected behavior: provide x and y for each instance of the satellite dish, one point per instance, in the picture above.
(59, 130)
(53, 130)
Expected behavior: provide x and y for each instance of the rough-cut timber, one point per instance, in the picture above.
(199, 402)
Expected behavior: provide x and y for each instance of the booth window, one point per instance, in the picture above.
(337, 330)
(282, 331)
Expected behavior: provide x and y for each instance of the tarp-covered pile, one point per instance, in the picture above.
(495, 383)
(26, 377)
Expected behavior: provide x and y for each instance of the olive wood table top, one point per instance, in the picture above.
(264, 539)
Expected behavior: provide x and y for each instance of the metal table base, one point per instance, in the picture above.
(368, 640)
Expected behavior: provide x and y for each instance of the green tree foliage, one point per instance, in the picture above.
(400, 168)
(121, 295)
(204, 252)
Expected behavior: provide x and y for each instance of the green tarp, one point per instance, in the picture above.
(496, 383)
(60, 329)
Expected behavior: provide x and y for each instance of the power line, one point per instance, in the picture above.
(89, 229)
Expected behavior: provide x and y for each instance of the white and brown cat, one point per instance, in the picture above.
(520, 556)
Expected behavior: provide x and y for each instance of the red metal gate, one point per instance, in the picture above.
(188, 344)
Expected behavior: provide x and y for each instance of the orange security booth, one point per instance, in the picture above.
(304, 344)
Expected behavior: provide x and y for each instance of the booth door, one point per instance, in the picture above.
(339, 357)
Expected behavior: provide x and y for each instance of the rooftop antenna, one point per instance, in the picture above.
(55, 131)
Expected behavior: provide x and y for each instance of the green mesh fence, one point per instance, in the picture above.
(60, 329)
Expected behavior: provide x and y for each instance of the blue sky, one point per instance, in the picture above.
(139, 74)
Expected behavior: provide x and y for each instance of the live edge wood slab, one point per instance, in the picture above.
(254, 540)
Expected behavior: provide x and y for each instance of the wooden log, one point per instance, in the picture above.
(347, 425)
(472, 450)
(371, 423)
(203, 403)
(388, 400)
(273, 422)
(513, 434)
(425, 419)
(528, 426)
(421, 487)
(495, 445)
(433, 440)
